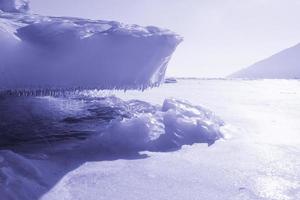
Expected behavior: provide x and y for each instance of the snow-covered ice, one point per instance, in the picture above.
(46, 132)
(71, 143)
(39, 52)
(258, 160)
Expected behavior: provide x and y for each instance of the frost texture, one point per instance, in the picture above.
(60, 52)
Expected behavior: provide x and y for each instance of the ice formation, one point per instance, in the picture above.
(40, 52)
(174, 124)
(46, 137)
(113, 123)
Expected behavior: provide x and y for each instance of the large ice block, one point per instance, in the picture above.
(40, 52)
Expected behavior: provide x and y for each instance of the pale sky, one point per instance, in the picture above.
(220, 36)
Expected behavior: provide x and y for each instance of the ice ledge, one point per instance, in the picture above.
(39, 52)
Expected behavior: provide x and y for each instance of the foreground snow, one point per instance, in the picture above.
(53, 132)
(38, 52)
(258, 161)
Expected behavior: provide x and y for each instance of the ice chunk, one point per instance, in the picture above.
(109, 121)
(69, 53)
(170, 80)
(14, 5)
(174, 124)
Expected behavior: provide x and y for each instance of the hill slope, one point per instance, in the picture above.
(283, 65)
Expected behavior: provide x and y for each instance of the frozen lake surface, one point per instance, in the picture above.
(259, 158)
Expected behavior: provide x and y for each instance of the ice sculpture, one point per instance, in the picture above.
(40, 52)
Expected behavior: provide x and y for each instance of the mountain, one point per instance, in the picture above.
(283, 65)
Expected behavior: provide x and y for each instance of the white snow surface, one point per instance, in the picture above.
(258, 159)
(39, 52)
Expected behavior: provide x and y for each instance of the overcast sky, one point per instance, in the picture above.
(221, 36)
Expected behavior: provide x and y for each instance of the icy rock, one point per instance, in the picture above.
(14, 5)
(71, 53)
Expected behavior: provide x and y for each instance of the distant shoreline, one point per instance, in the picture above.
(204, 78)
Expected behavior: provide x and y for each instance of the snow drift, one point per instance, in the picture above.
(40, 52)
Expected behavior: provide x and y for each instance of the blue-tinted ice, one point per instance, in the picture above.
(38, 52)
(112, 123)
